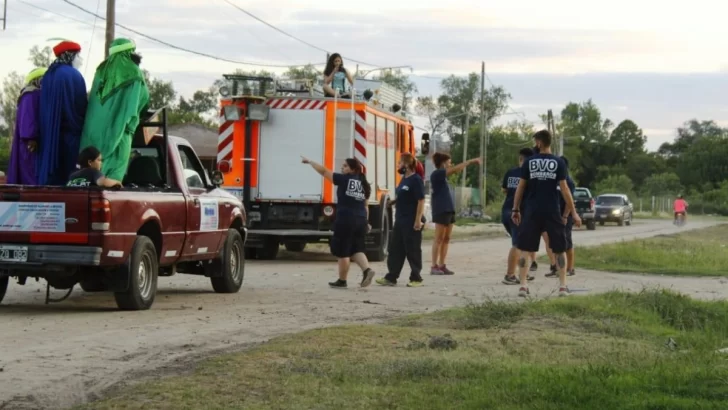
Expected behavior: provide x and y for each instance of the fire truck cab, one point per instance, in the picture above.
(265, 128)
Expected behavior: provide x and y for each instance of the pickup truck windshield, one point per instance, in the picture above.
(581, 194)
(609, 200)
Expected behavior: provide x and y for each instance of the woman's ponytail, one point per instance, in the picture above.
(358, 169)
(365, 184)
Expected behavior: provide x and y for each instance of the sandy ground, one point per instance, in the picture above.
(63, 354)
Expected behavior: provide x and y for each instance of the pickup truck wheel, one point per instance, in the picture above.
(628, 222)
(142, 270)
(232, 263)
(270, 248)
(382, 250)
(4, 280)
(621, 221)
(591, 225)
(295, 246)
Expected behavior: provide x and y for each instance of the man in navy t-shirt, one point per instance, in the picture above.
(566, 215)
(509, 186)
(541, 174)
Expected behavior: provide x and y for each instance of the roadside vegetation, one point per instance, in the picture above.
(700, 252)
(651, 350)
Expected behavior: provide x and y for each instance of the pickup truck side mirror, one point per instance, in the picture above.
(217, 179)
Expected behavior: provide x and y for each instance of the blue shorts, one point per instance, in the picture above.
(511, 228)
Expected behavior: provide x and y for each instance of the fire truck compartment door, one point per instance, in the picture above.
(284, 138)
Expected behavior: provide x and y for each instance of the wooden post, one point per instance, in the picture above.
(110, 25)
(483, 142)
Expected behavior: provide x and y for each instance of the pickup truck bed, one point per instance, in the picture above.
(121, 240)
(584, 203)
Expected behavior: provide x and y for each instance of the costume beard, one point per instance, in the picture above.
(77, 62)
(136, 58)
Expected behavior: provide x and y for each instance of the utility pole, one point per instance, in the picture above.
(465, 142)
(110, 25)
(483, 142)
(5, 14)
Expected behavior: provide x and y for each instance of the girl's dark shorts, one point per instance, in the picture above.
(349, 236)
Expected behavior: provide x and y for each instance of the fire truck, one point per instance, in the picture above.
(265, 128)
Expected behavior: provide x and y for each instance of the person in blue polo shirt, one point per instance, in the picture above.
(568, 226)
(510, 183)
(540, 175)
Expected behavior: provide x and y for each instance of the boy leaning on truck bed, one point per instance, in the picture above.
(90, 174)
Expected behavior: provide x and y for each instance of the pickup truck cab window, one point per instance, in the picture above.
(194, 173)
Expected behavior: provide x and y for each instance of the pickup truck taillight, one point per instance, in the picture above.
(591, 203)
(100, 214)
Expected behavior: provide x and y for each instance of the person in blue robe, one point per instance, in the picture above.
(63, 102)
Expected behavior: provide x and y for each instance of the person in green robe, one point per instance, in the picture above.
(118, 96)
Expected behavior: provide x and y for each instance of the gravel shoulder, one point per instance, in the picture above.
(63, 354)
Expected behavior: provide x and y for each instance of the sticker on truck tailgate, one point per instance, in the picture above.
(32, 216)
(208, 214)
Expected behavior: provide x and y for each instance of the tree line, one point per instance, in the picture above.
(604, 157)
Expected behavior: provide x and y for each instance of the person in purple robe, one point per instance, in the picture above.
(21, 170)
(63, 102)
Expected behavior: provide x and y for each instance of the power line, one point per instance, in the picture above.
(179, 48)
(54, 13)
(253, 16)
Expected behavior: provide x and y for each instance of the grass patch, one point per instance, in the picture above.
(606, 351)
(701, 252)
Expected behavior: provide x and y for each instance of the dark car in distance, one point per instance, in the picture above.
(614, 208)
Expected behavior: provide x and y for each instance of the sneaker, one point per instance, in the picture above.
(366, 280)
(553, 273)
(446, 271)
(563, 291)
(435, 270)
(414, 284)
(385, 282)
(511, 280)
(338, 284)
(534, 266)
(572, 272)
(523, 292)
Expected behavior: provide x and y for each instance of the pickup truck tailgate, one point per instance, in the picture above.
(44, 215)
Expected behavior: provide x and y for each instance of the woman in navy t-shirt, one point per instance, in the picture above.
(352, 216)
(443, 209)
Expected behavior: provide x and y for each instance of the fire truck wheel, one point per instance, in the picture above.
(295, 246)
(3, 286)
(380, 254)
(270, 248)
(251, 253)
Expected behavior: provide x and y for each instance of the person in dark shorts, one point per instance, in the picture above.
(540, 175)
(443, 209)
(406, 237)
(568, 227)
(352, 215)
(90, 173)
(510, 183)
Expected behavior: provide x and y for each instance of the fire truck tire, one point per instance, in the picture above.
(270, 248)
(4, 280)
(142, 269)
(251, 253)
(380, 254)
(295, 246)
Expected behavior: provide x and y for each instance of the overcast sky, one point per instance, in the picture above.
(658, 63)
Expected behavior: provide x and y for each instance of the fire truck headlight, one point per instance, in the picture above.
(231, 113)
(224, 91)
(258, 112)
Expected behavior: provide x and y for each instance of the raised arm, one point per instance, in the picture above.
(459, 167)
(322, 170)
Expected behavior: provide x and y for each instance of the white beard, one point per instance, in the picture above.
(77, 62)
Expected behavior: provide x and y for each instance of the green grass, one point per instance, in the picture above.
(598, 352)
(701, 252)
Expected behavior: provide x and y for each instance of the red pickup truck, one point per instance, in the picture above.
(169, 217)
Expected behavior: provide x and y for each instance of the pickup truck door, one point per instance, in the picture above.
(203, 209)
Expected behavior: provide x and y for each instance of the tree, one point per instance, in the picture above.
(161, 93)
(12, 84)
(401, 81)
(427, 106)
(629, 140)
(704, 162)
(667, 183)
(616, 184)
(41, 57)
(640, 166)
(307, 72)
(691, 132)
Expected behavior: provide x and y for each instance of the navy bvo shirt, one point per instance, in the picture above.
(440, 200)
(350, 195)
(510, 184)
(543, 173)
(410, 191)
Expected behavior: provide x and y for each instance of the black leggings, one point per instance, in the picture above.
(405, 243)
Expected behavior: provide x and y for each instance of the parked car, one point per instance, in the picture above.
(614, 208)
(585, 207)
(169, 217)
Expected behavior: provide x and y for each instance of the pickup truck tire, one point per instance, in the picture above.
(4, 280)
(295, 246)
(142, 269)
(591, 225)
(232, 264)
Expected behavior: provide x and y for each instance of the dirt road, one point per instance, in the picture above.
(63, 354)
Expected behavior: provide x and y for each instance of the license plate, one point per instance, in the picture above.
(13, 253)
